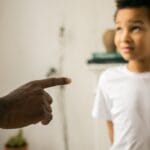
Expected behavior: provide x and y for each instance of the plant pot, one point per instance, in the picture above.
(108, 40)
(17, 148)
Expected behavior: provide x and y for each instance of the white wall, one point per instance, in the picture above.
(30, 45)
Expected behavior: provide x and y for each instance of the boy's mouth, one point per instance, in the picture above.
(127, 49)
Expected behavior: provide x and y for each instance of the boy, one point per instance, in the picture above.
(123, 94)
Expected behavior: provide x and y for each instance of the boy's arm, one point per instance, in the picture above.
(110, 131)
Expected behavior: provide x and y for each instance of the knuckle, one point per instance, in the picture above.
(53, 81)
(37, 92)
(40, 91)
(30, 85)
(50, 101)
(34, 83)
(64, 80)
(47, 119)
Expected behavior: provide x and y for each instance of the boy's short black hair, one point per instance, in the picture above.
(120, 4)
(132, 3)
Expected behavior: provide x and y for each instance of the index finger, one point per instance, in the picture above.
(45, 83)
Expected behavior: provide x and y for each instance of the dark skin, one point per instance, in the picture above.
(28, 104)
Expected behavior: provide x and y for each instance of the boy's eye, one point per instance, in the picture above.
(118, 29)
(136, 29)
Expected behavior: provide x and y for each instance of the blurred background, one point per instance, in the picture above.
(46, 38)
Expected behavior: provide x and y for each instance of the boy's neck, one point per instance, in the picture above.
(139, 66)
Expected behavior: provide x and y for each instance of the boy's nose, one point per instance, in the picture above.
(125, 37)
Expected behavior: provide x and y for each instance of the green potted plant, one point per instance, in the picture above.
(17, 142)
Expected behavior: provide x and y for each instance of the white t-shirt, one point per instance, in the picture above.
(124, 98)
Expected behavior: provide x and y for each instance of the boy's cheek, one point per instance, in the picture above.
(116, 41)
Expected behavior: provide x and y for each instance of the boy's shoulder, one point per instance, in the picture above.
(114, 70)
(112, 73)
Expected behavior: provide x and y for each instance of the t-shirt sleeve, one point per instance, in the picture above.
(101, 108)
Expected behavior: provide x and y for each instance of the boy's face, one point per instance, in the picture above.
(133, 34)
